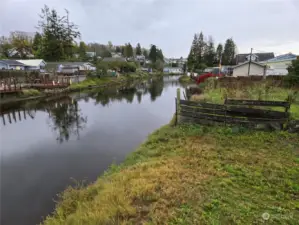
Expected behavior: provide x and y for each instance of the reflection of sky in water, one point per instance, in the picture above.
(30, 153)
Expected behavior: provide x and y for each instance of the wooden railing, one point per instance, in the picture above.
(249, 113)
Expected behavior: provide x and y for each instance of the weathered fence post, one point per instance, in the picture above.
(177, 108)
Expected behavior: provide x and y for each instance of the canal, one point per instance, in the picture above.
(48, 145)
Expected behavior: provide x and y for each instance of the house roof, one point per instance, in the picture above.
(240, 58)
(32, 62)
(285, 57)
(114, 59)
(12, 62)
(258, 64)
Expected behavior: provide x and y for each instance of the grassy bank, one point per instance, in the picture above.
(28, 94)
(194, 175)
(185, 79)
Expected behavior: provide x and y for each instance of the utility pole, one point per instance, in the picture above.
(220, 64)
(250, 61)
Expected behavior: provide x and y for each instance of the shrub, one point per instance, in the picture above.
(293, 77)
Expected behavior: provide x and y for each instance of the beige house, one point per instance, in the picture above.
(256, 69)
(279, 65)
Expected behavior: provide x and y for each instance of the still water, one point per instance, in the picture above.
(45, 145)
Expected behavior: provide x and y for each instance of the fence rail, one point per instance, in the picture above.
(232, 112)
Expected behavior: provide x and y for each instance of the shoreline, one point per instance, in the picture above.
(110, 83)
(150, 184)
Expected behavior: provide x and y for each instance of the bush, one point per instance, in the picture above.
(293, 77)
(31, 92)
(123, 67)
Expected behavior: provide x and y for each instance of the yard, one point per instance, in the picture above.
(260, 91)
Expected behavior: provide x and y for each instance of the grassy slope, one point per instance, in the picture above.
(194, 175)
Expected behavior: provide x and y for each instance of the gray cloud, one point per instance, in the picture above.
(268, 25)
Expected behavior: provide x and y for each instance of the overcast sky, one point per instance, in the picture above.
(265, 25)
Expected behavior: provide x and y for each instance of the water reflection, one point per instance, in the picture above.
(108, 123)
(65, 116)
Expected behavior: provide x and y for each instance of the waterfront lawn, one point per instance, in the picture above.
(96, 82)
(194, 175)
(254, 92)
(185, 79)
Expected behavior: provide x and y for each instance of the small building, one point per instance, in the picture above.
(256, 57)
(91, 54)
(71, 68)
(173, 70)
(256, 69)
(34, 64)
(279, 65)
(11, 65)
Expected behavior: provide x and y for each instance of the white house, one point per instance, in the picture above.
(34, 64)
(11, 65)
(279, 65)
(173, 70)
(256, 69)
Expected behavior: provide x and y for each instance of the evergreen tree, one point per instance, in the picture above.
(192, 55)
(138, 49)
(118, 49)
(219, 52)
(37, 41)
(123, 49)
(153, 53)
(160, 55)
(229, 52)
(58, 35)
(200, 50)
(129, 51)
(145, 53)
(210, 54)
(82, 51)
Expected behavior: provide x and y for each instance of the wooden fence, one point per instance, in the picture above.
(249, 113)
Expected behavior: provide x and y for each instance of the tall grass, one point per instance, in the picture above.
(257, 91)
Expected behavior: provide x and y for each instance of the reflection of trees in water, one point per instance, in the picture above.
(156, 88)
(66, 119)
(153, 87)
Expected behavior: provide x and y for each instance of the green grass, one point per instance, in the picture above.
(97, 82)
(185, 79)
(194, 175)
(31, 92)
(256, 92)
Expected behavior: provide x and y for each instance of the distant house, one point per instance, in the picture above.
(256, 69)
(11, 65)
(34, 64)
(179, 62)
(256, 57)
(116, 55)
(70, 68)
(279, 65)
(173, 70)
(91, 54)
(140, 58)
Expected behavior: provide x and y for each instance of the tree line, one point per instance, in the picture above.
(56, 40)
(204, 54)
